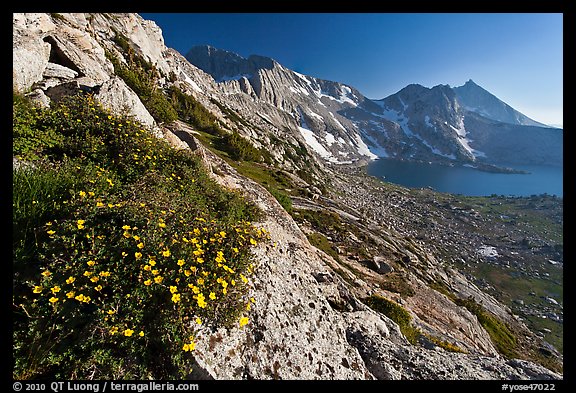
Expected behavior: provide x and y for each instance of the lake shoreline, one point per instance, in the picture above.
(471, 180)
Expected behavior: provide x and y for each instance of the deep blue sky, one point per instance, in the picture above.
(518, 57)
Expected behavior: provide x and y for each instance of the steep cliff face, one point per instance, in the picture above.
(310, 320)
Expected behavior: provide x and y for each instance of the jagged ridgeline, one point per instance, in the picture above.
(173, 220)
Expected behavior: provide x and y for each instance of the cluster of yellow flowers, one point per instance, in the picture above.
(197, 268)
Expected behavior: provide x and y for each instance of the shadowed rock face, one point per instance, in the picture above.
(308, 321)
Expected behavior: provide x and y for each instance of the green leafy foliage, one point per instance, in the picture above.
(193, 112)
(141, 76)
(124, 249)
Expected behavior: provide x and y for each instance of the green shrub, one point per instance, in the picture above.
(282, 198)
(141, 76)
(396, 313)
(448, 346)
(320, 241)
(30, 136)
(193, 112)
(123, 249)
(502, 337)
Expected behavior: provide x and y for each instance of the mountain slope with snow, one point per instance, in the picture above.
(439, 124)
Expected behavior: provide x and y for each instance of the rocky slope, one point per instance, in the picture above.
(310, 319)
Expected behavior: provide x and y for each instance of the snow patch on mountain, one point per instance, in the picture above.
(376, 148)
(338, 122)
(312, 141)
(316, 115)
(464, 141)
(227, 78)
(330, 139)
(363, 148)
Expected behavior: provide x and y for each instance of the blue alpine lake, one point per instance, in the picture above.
(469, 181)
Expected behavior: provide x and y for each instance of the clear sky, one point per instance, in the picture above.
(518, 57)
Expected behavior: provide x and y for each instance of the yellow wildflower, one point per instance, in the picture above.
(136, 237)
(138, 255)
(111, 312)
(155, 272)
(82, 194)
(198, 321)
(37, 289)
(128, 332)
(147, 268)
(162, 225)
(87, 274)
(46, 273)
(114, 330)
(212, 296)
(148, 282)
(98, 288)
(50, 232)
(126, 235)
(152, 262)
(176, 297)
(173, 289)
(244, 279)
(201, 301)
(70, 295)
(187, 273)
(243, 321)
(223, 234)
(141, 334)
(55, 289)
(126, 227)
(99, 204)
(166, 253)
(158, 279)
(53, 299)
(91, 263)
(104, 274)
(253, 242)
(181, 262)
(95, 279)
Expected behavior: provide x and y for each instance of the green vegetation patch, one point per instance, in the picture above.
(397, 313)
(123, 248)
(142, 77)
(502, 337)
(320, 241)
(448, 346)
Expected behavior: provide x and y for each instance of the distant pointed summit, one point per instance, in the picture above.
(477, 99)
(225, 65)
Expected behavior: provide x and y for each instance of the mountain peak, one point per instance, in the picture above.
(225, 65)
(477, 99)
